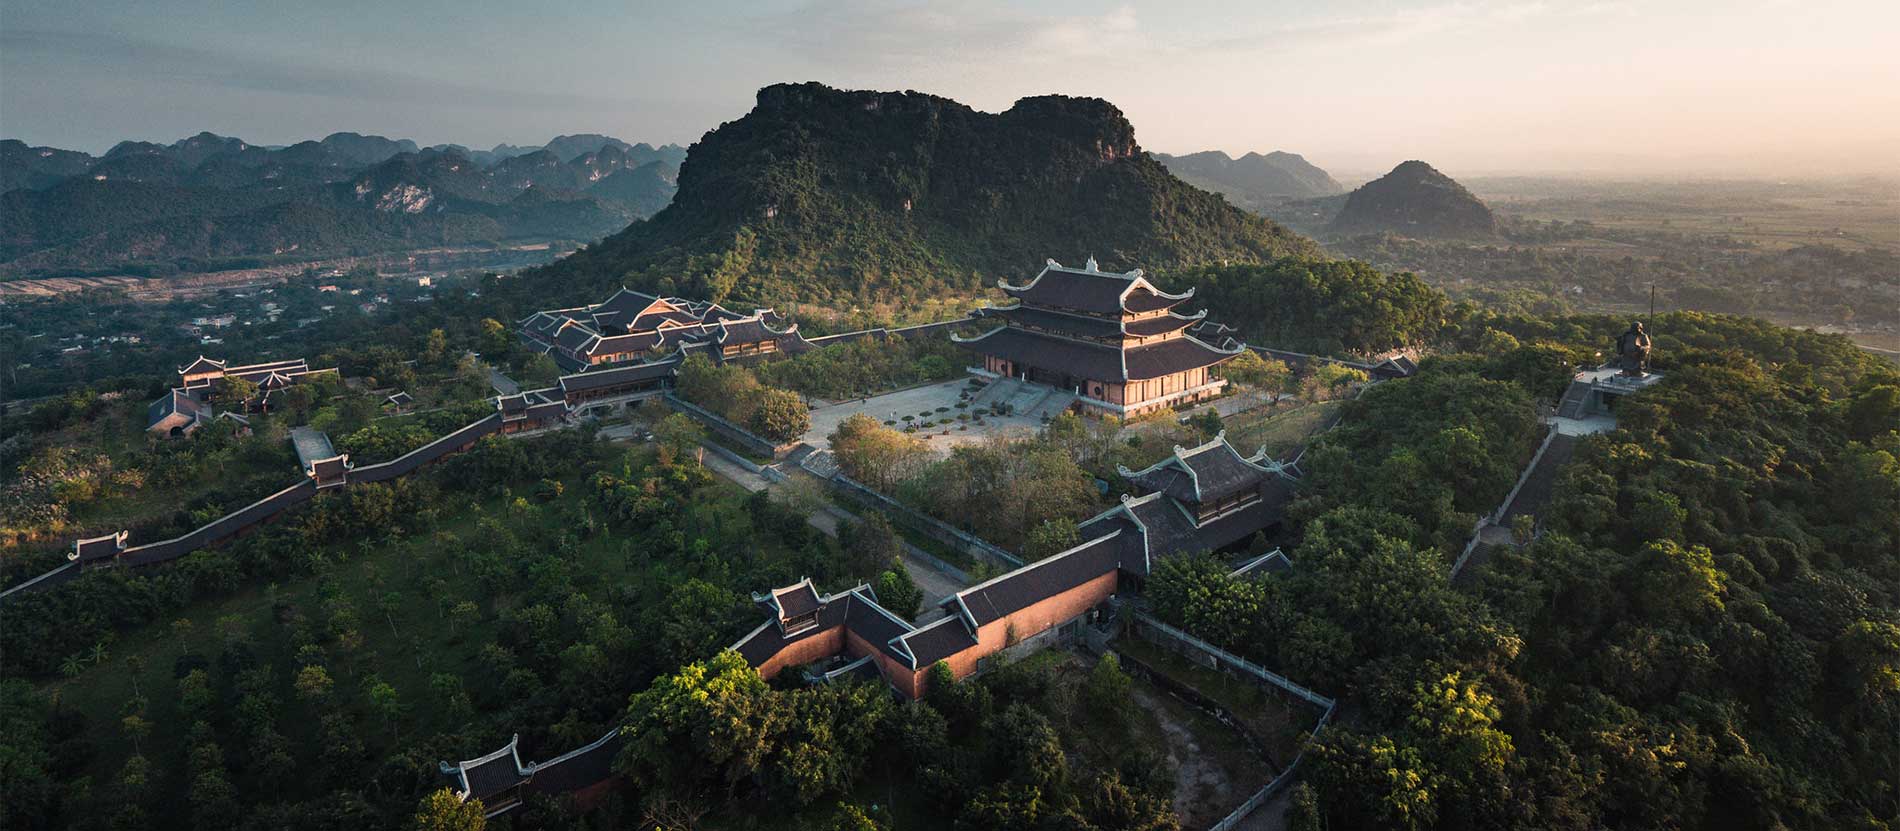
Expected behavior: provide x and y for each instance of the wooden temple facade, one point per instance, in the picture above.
(1112, 339)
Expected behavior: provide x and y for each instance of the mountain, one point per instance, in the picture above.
(646, 189)
(361, 149)
(1415, 200)
(38, 167)
(849, 196)
(158, 207)
(1253, 181)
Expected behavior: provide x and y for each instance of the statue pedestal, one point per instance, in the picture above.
(1593, 393)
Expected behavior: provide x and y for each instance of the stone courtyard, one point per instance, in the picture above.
(1029, 404)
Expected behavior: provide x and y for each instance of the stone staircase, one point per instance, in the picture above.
(1574, 398)
(1027, 397)
(1001, 389)
(820, 463)
(1053, 404)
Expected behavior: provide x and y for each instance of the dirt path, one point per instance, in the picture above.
(1203, 793)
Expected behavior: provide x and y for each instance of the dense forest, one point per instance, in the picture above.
(1810, 283)
(1325, 307)
(846, 198)
(1703, 637)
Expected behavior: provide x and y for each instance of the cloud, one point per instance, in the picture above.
(876, 35)
(58, 53)
(1404, 25)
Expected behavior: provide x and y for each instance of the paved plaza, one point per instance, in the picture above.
(1031, 402)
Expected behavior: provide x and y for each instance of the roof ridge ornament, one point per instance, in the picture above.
(1091, 266)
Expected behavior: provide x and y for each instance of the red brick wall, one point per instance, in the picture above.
(822, 645)
(1032, 620)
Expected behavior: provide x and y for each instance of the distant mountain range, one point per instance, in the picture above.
(1415, 200)
(212, 199)
(849, 198)
(1254, 181)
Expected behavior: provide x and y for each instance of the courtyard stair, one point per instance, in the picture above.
(1572, 404)
(1001, 389)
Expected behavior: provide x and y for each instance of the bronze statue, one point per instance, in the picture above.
(1632, 350)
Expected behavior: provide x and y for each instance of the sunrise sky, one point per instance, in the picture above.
(1739, 88)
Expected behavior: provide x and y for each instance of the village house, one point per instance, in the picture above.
(1111, 339)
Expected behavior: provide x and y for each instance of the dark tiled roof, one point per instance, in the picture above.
(1088, 290)
(98, 548)
(937, 641)
(174, 401)
(625, 302)
(639, 342)
(1093, 361)
(577, 769)
(1040, 580)
(874, 623)
(1173, 355)
(493, 773)
(619, 376)
(1075, 325)
(1099, 362)
(795, 600)
(574, 337)
(202, 364)
(1207, 473)
(1156, 527)
(1160, 325)
(1146, 300)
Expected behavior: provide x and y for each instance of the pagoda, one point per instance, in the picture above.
(1112, 339)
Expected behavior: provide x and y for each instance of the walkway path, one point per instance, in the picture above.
(502, 383)
(936, 584)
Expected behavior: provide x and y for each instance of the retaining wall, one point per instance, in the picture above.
(752, 442)
(923, 523)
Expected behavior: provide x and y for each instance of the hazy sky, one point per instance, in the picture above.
(1699, 88)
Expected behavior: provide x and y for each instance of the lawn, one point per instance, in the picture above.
(1282, 431)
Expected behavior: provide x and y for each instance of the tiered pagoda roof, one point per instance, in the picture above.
(1088, 323)
(1092, 291)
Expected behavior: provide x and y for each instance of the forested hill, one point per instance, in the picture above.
(1253, 181)
(209, 201)
(836, 196)
(1416, 200)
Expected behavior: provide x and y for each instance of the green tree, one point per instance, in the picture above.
(779, 415)
(1052, 537)
(718, 712)
(680, 435)
(870, 544)
(442, 810)
(1108, 692)
(1196, 594)
(898, 593)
